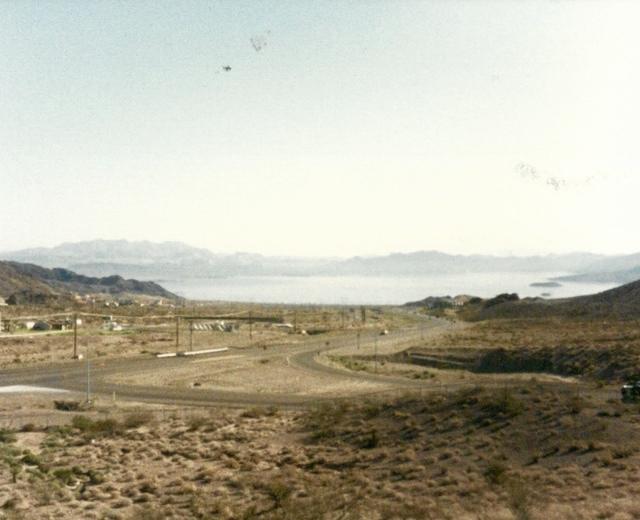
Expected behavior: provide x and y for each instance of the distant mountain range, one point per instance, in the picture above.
(434, 262)
(168, 260)
(111, 251)
(29, 283)
(152, 261)
(618, 277)
(616, 269)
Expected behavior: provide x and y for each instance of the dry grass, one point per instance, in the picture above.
(606, 350)
(522, 453)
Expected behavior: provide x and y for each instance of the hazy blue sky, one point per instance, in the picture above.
(355, 128)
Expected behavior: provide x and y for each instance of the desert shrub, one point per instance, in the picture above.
(196, 422)
(31, 459)
(137, 419)
(65, 475)
(7, 436)
(330, 501)
(504, 403)
(372, 409)
(323, 419)
(15, 468)
(278, 491)
(270, 411)
(205, 506)
(259, 411)
(518, 496)
(67, 406)
(148, 487)
(576, 404)
(44, 492)
(82, 423)
(95, 477)
(496, 472)
(622, 452)
(147, 513)
(10, 505)
(105, 427)
(466, 396)
(370, 441)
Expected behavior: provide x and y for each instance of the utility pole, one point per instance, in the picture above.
(190, 334)
(250, 327)
(375, 355)
(295, 321)
(177, 333)
(358, 340)
(376, 351)
(88, 376)
(75, 336)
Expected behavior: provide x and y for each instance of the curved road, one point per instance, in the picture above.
(72, 375)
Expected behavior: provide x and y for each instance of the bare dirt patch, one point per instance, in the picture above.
(254, 375)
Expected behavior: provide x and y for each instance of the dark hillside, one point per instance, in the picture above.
(620, 303)
(27, 279)
(12, 281)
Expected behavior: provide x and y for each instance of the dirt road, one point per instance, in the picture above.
(105, 376)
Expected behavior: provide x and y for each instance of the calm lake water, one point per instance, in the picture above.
(372, 290)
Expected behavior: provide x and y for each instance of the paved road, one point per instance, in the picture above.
(72, 375)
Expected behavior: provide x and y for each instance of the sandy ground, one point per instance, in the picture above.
(469, 455)
(239, 373)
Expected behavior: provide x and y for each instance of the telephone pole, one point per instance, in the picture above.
(375, 355)
(88, 376)
(75, 336)
(177, 333)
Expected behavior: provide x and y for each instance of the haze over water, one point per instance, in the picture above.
(371, 290)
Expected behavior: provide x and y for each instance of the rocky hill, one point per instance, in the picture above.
(621, 303)
(13, 281)
(35, 284)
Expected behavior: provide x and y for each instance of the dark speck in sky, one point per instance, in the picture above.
(259, 41)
